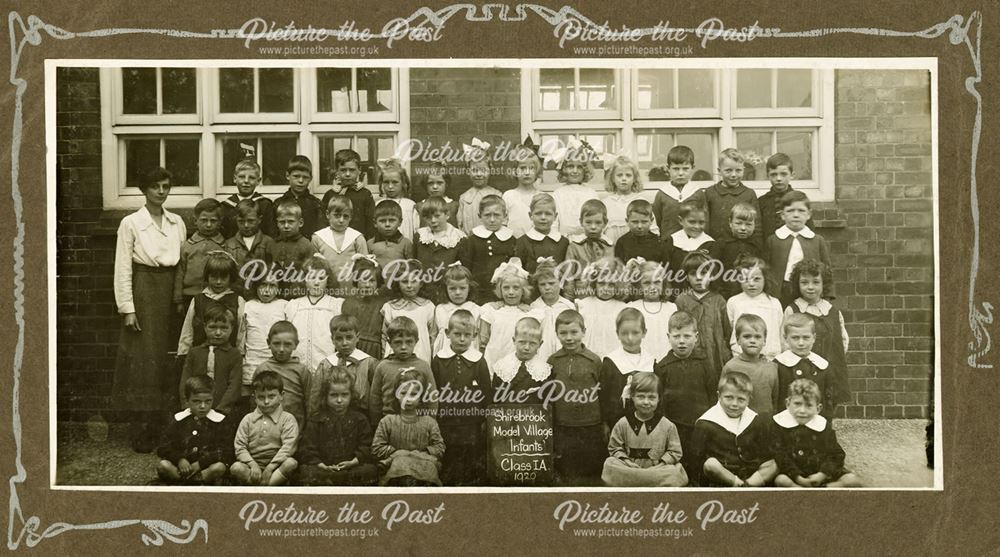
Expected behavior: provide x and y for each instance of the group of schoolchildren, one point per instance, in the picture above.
(687, 341)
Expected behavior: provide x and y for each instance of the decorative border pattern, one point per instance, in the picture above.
(22, 34)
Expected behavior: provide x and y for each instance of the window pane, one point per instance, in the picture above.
(328, 147)
(798, 146)
(755, 144)
(696, 88)
(369, 147)
(236, 90)
(794, 88)
(179, 91)
(597, 89)
(703, 145)
(276, 90)
(275, 152)
(556, 89)
(333, 86)
(374, 89)
(182, 156)
(652, 147)
(655, 89)
(141, 156)
(753, 88)
(139, 90)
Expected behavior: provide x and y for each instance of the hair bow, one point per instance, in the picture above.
(477, 149)
(545, 259)
(512, 266)
(366, 256)
(529, 145)
(627, 390)
(636, 261)
(610, 158)
(454, 264)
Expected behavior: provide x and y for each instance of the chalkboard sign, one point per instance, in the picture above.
(520, 441)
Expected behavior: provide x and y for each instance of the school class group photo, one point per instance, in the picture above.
(360, 339)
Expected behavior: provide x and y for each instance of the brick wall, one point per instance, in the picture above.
(880, 228)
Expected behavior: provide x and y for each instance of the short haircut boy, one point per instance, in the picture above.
(681, 320)
(282, 327)
(794, 196)
(300, 163)
(345, 156)
(339, 204)
(401, 327)
(542, 199)
(693, 262)
(218, 313)
(288, 207)
(680, 154)
(743, 211)
(528, 325)
(247, 164)
(210, 205)
(462, 318)
(630, 314)
(268, 380)
(689, 207)
(736, 380)
(344, 323)
(198, 385)
(807, 389)
(779, 159)
(732, 155)
(491, 200)
(750, 322)
(797, 321)
(155, 176)
(640, 207)
(432, 206)
(247, 207)
(388, 208)
(568, 317)
(593, 207)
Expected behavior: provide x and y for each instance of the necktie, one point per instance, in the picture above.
(341, 361)
(211, 362)
(794, 255)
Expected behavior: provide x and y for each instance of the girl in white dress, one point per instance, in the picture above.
(518, 200)
(394, 184)
(458, 283)
(624, 185)
(408, 303)
(551, 303)
(311, 314)
(603, 304)
(654, 308)
(499, 319)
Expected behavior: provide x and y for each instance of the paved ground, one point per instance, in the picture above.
(884, 453)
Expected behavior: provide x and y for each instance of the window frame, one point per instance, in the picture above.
(534, 74)
(118, 101)
(313, 114)
(116, 126)
(821, 188)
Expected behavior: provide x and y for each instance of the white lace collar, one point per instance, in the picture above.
(718, 416)
(787, 421)
(538, 236)
(449, 238)
(823, 307)
(627, 362)
(212, 415)
(790, 359)
(506, 368)
(682, 241)
(672, 192)
(356, 356)
(503, 234)
(784, 232)
(326, 235)
(471, 354)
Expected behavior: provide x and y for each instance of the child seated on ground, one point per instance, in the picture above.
(194, 446)
(805, 445)
(336, 444)
(267, 437)
(408, 442)
(645, 448)
(730, 443)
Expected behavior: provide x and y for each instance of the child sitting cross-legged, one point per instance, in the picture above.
(267, 437)
(194, 447)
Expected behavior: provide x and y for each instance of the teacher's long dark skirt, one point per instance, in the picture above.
(142, 369)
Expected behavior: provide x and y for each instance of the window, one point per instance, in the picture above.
(758, 110)
(198, 122)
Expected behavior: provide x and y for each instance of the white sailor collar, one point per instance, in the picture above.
(672, 192)
(784, 232)
(471, 354)
(790, 359)
(212, 415)
(787, 421)
(449, 239)
(326, 235)
(626, 362)
(823, 306)
(538, 236)
(682, 241)
(581, 239)
(506, 368)
(718, 416)
(503, 234)
(357, 356)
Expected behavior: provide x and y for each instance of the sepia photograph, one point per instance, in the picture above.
(510, 275)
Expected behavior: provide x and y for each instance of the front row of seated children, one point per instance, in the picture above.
(667, 423)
